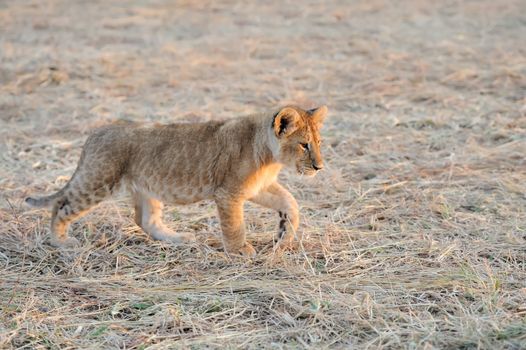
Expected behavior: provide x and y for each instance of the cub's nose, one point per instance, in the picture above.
(317, 166)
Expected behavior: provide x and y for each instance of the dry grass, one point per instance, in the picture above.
(416, 232)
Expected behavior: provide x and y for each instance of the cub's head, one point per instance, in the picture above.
(298, 137)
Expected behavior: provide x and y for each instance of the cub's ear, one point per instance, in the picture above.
(286, 122)
(319, 114)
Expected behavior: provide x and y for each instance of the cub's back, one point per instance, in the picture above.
(174, 162)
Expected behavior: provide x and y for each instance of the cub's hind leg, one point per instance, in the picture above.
(62, 216)
(76, 201)
(100, 170)
(148, 215)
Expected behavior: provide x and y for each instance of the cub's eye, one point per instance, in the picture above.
(304, 146)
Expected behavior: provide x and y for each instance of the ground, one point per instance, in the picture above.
(415, 232)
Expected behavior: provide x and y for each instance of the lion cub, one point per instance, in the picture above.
(229, 161)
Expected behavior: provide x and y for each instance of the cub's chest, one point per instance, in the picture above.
(261, 179)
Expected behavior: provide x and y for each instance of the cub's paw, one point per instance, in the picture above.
(246, 251)
(176, 237)
(288, 241)
(69, 242)
(284, 239)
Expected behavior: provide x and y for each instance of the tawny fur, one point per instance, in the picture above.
(229, 162)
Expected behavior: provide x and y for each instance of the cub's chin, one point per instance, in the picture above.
(307, 172)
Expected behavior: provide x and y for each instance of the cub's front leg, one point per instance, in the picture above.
(233, 226)
(278, 198)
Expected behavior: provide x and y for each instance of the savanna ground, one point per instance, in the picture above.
(415, 232)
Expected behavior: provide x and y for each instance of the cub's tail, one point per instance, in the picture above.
(40, 202)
